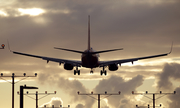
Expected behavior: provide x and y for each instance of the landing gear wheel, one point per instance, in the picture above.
(91, 72)
(74, 72)
(101, 72)
(78, 72)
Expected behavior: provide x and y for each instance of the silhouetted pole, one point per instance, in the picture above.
(22, 93)
(163, 94)
(13, 76)
(46, 94)
(99, 95)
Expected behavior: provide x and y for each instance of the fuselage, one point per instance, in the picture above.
(89, 60)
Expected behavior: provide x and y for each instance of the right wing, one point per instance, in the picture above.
(72, 62)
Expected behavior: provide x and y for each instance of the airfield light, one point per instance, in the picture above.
(35, 74)
(36, 92)
(1, 74)
(91, 92)
(44, 105)
(60, 105)
(160, 105)
(119, 92)
(78, 92)
(160, 92)
(45, 92)
(13, 74)
(174, 92)
(17, 92)
(136, 105)
(146, 92)
(52, 106)
(68, 106)
(24, 74)
(148, 105)
(27, 92)
(3, 46)
(105, 92)
(132, 92)
(55, 92)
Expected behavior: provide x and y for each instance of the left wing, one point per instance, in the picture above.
(72, 62)
(106, 63)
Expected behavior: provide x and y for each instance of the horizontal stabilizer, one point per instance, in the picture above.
(106, 51)
(69, 50)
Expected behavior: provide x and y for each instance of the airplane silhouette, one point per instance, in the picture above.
(89, 58)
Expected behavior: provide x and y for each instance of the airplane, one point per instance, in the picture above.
(89, 58)
(2, 46)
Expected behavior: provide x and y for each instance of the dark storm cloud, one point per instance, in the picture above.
(170, 71)
(115, 84)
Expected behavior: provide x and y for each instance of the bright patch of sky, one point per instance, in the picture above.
(31, 12)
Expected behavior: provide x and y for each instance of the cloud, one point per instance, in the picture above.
(115, 84)
(169, 72)
(175, 99)
(56, 101)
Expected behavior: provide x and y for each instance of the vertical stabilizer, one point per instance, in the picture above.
(89, 32)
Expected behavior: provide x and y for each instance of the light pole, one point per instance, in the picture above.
(163, 94)
(22, 93)
(99, 95)
(13, 76)
(46, 94)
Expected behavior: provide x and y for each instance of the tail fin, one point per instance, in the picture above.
(89, 33)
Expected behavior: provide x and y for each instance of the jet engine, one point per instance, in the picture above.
(113, 67)
(68, 66)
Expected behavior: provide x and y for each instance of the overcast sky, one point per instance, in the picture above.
(141, 27)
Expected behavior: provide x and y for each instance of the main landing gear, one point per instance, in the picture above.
(76, 71)
(103, 71)
(91, 72)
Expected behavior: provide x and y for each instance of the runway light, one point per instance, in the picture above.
(36, 92)
(174, 92)
(132, 92)
(60, 105)
(136, 105)
(146, 92)
(91, 92)
(1, 74)
(45, 92)
(105, 92)
(52, 106)
(44, 105)
(3, 46)
(119, 92)
(27, 92)
(160, 105)
(78, 92)
(17, 92)
(24, 74)
(55, 92)
(160, 92)
(35, 74)
(13, 74)
(68, 105)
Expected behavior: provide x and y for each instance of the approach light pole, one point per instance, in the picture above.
(56, 107)
(13, 76)
(2, 46)
(99, 95)
(22, 93)
(160, 93)
(148, 106)
(46, 94)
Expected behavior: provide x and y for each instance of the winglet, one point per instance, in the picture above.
(9, 46)
(171, 48)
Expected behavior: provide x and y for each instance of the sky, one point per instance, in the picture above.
(141, 27)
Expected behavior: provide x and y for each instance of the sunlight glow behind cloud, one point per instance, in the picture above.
(3, 13)
(31, 12)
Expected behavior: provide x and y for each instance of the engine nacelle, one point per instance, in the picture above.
(68, 66)
(113, 67)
